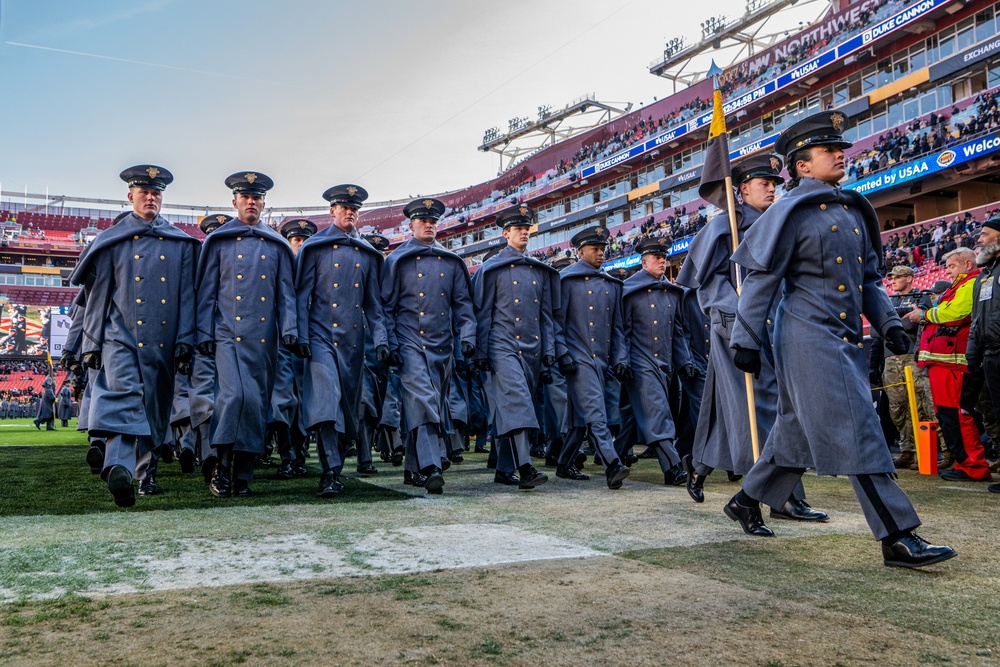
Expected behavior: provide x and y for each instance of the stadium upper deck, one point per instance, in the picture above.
(910, 74)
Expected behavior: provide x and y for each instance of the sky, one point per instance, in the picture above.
(393, 95)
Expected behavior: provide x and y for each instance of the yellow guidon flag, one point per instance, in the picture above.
(716, 169)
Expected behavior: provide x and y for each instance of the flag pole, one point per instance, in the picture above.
(734, 236)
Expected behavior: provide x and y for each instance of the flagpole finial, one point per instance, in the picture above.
(713, 73)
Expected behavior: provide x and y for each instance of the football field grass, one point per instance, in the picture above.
(569, 574)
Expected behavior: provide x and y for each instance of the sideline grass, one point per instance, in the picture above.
(22, 432)
(56, 480)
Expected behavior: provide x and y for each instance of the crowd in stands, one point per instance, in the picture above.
(23, 370)
(737, 82)
(932, 241)
(924, 136)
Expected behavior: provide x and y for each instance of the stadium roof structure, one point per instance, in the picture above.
(525, 136)
(728, 41)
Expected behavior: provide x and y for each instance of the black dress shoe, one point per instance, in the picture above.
(798, 510)
(299, 469)
(570, 472)
(530, 478)
(551, 462)
(480, 449)
(220, 485)
(187, 461)
(749, 518)
(435, 482)
(351, 451)
(993, 488)
(958, 476)
(329, 486)
(367, 469)
(537, 452)
(149, 487)
(120, 486)
(630, 460)
(506, 478)
(208, 468)
(241, 489)
(445, 464)
(166, 454)
(616, 474)
(263, 461)
(456, 457)
(648, 453)
(37, 426)
(396, 458)
(675, 476)
(95, 459)
(733, 477)
(284, 471)
(695, 483)
(580, 460)
(413, 478)
(911, 550)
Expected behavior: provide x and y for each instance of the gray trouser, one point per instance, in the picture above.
(666, 454)
(134, 453)
(515, 451)
(424, 448)
(886, 507)
(330, 448)
(600, 438)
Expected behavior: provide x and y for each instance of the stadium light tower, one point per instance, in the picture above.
(728, 41)
(525, 136)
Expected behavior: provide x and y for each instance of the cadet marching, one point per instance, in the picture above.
(221, 352)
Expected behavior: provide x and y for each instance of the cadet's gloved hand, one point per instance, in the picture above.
(897, 341)
(381, 353)
(182, 367)
(747, 361)
(548, 361)
(394, 358)
(92, 360)
(461, 368)
(183, 352)
(468, 349)
(623, 372)
(303, 350)
(688, 372)
(483, 365)
(290, 342)
(545, 377)
(206, 348)
(567, 366)
(68, 360)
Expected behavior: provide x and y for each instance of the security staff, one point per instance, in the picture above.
(820, 246)
(652, 316)
(285, 423)
(246, 306)
(139, 327)
(426, 292)
(337, 286)
(722, 437)
(590, 342)
(515, 342)
(904, 300)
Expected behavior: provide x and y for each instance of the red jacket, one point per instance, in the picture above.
(945, 343)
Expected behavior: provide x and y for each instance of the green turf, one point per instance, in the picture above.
(56, 480)
(21, 432)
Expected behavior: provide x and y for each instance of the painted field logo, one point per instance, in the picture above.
(946, 158)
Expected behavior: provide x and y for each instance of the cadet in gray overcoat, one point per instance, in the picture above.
(653, 321)
(515, 296)
(820, 246)
(246, 307)
(139, 324)
(337, 280)
(65, 407)
(590, 345)
(427, 297)
(46, 407)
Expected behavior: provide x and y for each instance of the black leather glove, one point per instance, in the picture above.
(482, 365)
(92, 360)
(207, 348)
(381, 353)
(623, 372)
(394, 358)
(468, 349)
(545, 377)
(897, 341)
(68, 360)
(567, 366)
(548, 361)
(460, 368)
(290, 342)
(303, 350)
(688, 372)
(182, 367)
(183, 352)
(747, 361)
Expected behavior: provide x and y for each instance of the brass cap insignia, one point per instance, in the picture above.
(662, 241)
(251, 177)
(600, 231)
(775, 164)
(351, 190)
(837, 119)
(152, 171)
(428, 203)
(220, 218)
(524, 211)
(303, 224)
